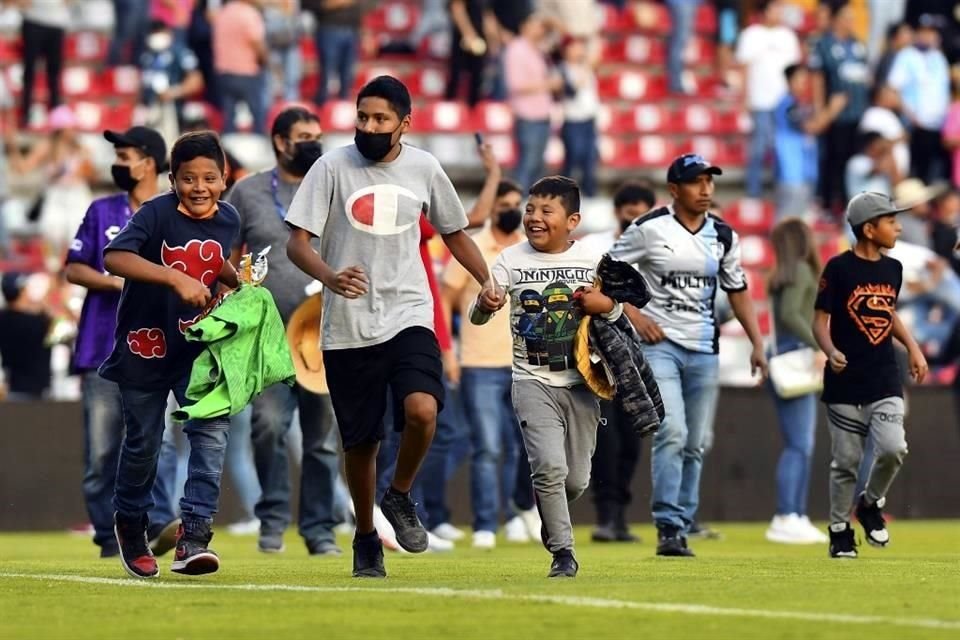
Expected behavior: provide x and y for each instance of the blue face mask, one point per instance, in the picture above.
(922, 46)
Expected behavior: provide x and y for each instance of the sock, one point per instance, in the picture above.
(366, 537)
(394, 490)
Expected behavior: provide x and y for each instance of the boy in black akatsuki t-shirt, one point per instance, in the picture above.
(172, 255)
(854, 323)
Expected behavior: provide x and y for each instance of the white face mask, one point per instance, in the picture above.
(159, 41)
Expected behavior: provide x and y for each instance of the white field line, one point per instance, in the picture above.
(496, 594)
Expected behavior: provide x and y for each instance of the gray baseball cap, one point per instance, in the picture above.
(867, 205)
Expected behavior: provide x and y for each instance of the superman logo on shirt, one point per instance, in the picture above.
(872, 306)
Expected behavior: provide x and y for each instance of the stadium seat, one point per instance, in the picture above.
(654, 151)
(615, 20)
(635, 49)
(435, 46)
(756, 252)
(85, 46)
(445, 117)
(648, 118)
(756, 284)
(10, 51)
(339, 115)
(493, 117)
(631, 86)
(77, 83)
(554, 153)
(122, 81)
(394, 17)
(428, 83)
(750, 216)
(367, 73)
(705, 21)
(504, 149)
(649, 17)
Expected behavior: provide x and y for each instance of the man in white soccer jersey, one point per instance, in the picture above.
(684, 253)
(364, 203)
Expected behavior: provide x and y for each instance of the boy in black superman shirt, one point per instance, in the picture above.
(173, 255)
(854, 323)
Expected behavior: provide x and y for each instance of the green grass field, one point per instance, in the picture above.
(53, 586)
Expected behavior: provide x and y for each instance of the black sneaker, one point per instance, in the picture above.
(842, 544)
(401, 512)
(368, 557)
(163, 537)
(871, 519)
(135, 555)
(271, 543)
(671, 543)
(192, 557)
(564, 565)
(605, 533)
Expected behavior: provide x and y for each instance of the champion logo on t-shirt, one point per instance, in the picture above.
(200, 260)
(383, 209)
(147, 343)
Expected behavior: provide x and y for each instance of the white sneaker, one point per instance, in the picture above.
(437, 544)
(531, 518)
(385, 530)
(249, 527)
(448, 532)
(815, 534)
(344, 529)
(484, 540)
(515, 530)
(787, 529)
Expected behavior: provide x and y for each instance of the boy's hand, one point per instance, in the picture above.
(918, 365)
(593, 301)
(649, 330)
(491, 298)
(758, 362)
(350, 283)
(451, 368)
(190, 290)
(838, 361)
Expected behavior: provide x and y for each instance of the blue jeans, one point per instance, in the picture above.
(798, 423)
(531, 136)
(288, 59)
(271, 420)
(493, 427)
(337, 47)
(239, 462)
(249, 90)
(682, 15)
(102, 435)
(143, 415)
(761, 142)
(688, 385)
(581, 154)
(131, 20)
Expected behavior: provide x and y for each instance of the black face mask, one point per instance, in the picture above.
(624, 225)
(374, 146)
(304, 155)
(123, 178)
(509, 220)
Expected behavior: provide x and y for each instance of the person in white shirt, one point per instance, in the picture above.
(766, 49)
(685, 254)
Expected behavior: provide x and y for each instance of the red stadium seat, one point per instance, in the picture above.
(445, 117)
(339, 116)
(751, 216)
(617, 153)
(122, 81)
(700, 51)
(756, 284)
(493, 117)
(636, 49)
(699, 118)
(553, 155)
(428, 83)
(393, 17)
(756, 252)
(654, 151)
(650, 18)
(10, 51)
(367, 73)
(77, 82)
(631, 86)
(614, 20)
(435, 46)
(85, 46)
(504, 149)
(308, 48)
(705, 21)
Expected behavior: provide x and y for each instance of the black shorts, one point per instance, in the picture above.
(360, 380)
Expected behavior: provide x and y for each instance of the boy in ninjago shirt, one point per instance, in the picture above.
(172, 255)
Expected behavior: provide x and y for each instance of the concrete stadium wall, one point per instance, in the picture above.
(42, 446)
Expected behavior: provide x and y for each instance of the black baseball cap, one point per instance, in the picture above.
(687, 167)
(144, 138)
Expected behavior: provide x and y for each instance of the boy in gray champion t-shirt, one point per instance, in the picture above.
(364, 203)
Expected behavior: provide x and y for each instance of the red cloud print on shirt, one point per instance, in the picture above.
(147, 343)
(202, 260)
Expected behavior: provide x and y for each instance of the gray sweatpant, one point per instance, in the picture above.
(559, 428)
(849, 427)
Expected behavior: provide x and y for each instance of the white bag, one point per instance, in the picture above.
(795, 373)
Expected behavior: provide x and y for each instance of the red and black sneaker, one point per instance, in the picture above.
(192, 557)
(135, 555)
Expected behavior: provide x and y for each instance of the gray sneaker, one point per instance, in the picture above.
(271, 543)
(401, 512)
(323, 548)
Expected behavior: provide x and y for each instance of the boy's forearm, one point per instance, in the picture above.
(901, 333)
(466, 253)
(821, 332)
(89, 278)
(130, 266)
(742, 307)
(228, 275)
(303, 255)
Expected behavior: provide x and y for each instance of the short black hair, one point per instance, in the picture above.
(634, 193)
(868, 138)
(858, 231)
(894, 29)
(836, 6)
(792, 70)
(561, 187)
(391, 90)
(285, 120)
(197, 144)
(506, 186)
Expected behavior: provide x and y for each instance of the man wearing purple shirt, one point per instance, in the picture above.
(140, 156)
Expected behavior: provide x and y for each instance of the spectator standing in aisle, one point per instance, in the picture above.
(282, 23)
(530, 85)
(899, 37)
(683, 14)
(921, 75)
(43, 31)
(581, 105)
(883, 117)
(168, 75)
(680, 332)
(728, 29)
(200, 41)
(839, 63)
(130, 20)
(471, 22)
(240, 56)
(141, 155)
(874, 169)
(618, 446)
(766, 49)
(24, 326)
(337, 38)
(796, 126)
(262, 200)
